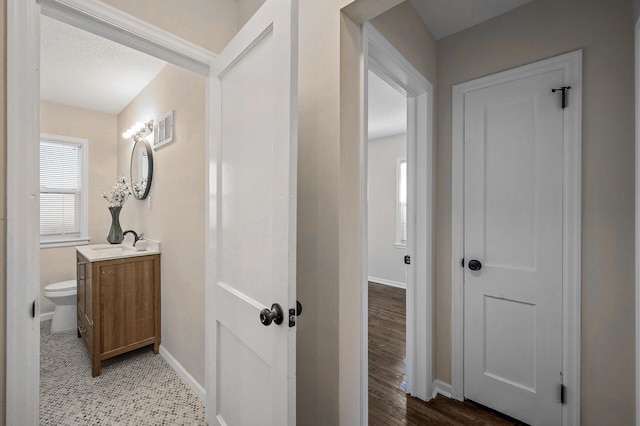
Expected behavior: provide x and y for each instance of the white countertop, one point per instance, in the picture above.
(96, 252)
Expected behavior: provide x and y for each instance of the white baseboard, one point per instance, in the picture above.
(46, 316)
(388, 282)
(196, 387)
(442, 388)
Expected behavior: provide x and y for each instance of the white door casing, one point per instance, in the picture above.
(513, 226)
(252, 212)
(516, 209)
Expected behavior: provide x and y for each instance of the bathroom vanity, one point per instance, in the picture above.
(118, 299)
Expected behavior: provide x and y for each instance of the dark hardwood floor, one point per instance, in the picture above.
(389, 405)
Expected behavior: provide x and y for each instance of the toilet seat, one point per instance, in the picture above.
(63, 288)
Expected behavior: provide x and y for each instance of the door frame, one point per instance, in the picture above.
(571, 65)
(23, 124)
(637, 215)
(380, 55)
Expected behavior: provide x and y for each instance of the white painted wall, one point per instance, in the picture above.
(385, 259)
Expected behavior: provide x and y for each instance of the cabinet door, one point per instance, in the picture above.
(127, 292)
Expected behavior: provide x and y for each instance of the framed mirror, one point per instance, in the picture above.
(141, 169)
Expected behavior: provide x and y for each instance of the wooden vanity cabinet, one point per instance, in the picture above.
(118, 305)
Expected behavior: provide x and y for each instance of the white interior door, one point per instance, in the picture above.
(253, 162)
(513, 219)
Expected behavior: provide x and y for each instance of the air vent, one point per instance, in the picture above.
(163, 130)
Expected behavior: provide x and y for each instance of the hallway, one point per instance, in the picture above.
(389, 405)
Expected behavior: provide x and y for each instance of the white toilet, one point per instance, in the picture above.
(63, 294)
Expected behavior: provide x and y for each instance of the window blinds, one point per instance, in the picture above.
(59, 189)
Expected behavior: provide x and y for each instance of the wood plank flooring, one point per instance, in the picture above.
(389, 405)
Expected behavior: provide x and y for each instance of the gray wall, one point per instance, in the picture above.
(385, 259)
(538, 30)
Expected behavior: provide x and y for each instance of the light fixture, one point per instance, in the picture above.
(139, 130)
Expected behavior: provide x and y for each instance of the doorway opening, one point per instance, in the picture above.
(387, 245)
(23, 98)
(400, 161)
(96, 93)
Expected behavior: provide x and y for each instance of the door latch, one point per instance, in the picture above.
(293, 313)
(407, 260)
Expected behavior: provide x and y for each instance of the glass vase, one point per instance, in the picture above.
(115, 232)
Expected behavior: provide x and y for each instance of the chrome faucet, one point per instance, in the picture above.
(136, 237)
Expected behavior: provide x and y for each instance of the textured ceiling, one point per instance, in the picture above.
(445, 17)
(87, 71)
(387, 109)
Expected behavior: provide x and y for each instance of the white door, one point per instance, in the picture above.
(253, 163)
(513, 219)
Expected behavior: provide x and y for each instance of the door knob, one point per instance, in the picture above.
(275, 314)
(475, 265)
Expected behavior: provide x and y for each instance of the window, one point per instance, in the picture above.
(401, 203)
(63, 198)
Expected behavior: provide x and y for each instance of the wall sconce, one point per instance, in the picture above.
(139, 130)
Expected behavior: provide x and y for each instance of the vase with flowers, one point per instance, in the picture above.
(116, 199)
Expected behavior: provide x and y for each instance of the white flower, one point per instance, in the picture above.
(119, 193)
(139, 186)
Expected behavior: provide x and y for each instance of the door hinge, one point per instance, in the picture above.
(33, 309)
(462, 262)
(407, 260)
(564, 90)
(563, 391)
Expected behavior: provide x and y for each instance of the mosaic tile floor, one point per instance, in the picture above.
(138, 388)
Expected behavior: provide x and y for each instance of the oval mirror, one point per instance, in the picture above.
(141, 169)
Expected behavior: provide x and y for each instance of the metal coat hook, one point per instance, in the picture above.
(562, 89)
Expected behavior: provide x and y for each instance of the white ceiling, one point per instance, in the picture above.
(445, 17)
(81, 69)
(387, 109)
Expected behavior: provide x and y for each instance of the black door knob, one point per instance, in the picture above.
(275, 314)
(475, 265)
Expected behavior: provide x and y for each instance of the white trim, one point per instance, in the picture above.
(442, 388)
(64, 243)
(383, 58)
(23, 217)
(364, 229)
(23, 126)
(390, 283)
(46, 316)
(637, 217)
(187, 378)
(571, 64)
